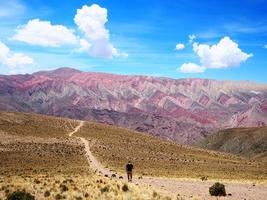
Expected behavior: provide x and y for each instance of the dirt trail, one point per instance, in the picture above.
(77, 128)
(186, 188)
(92, 161)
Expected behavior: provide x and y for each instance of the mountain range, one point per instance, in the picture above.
(180, 110)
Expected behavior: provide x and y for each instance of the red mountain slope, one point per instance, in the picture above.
(182, 110)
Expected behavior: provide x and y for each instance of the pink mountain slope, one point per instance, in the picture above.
(182, 110)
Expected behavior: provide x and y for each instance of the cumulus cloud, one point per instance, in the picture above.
(94, 37)
(179, 46)
(84, 46)
(43, 33)
(222, 55)
(12, 60)
(191, 68)
(225, 54)
(91, 22)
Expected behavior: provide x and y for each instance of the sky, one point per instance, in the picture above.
(225, 40)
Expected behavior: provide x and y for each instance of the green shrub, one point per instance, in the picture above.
(217, 189)
(20, 195)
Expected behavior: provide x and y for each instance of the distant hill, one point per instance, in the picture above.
(247, 142)
(31, 142)
(181, 110)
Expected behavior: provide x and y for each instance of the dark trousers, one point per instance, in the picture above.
(129, 175)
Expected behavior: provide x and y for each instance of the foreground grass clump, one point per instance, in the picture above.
(72, 186)
(217, 189)
(20, 195)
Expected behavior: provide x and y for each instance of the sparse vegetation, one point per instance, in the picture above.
(46, 162)
(54, 166)
(84, 186)
(217, 189)
(114, 146)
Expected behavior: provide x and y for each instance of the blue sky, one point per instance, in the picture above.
(139, 37)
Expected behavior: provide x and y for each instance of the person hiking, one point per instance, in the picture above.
(129, 170)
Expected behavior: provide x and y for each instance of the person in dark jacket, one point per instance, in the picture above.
(129, 170)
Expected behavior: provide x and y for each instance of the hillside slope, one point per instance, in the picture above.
(247, 142)
(38, 156)
(114, 146)
(30, 141)
(181, 110)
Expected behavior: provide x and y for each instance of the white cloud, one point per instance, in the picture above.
(222, 55)
(225, 54)
(179, 46)
(91, 21)
(43, 33)
(12, 60)
(84, 46)
(265, 46)
(191, 38)
(191, 68)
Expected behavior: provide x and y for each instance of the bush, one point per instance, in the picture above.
(58, 197)
(217, 189)
(20, 195)
(64, 188)
(125, 188)
(104, 189)
(47, 194)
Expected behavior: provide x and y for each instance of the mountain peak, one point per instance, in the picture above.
(66, 70)
(62, 72)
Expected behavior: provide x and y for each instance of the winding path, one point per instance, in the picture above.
(92, 161)
(77, 128)
(186, 188)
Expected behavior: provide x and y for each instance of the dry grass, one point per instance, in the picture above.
(76, 186)
(37, 144)
(24, 124)
(37, 156)
(151, 156)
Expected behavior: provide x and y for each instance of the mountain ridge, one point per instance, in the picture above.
(156, 105)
